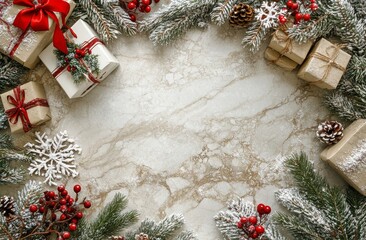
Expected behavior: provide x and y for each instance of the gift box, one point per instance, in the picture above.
(288, 47)
(26, 106)
(325, 65)
(88, 41)
(25, 46)
(280, 60)
(348, 156)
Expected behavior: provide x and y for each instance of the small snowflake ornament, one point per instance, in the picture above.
(53, 158)
(267, 14)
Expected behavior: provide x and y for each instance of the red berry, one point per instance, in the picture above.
(77, 188)
(87, 204)
(259, 229)
(251, 228)
(145, 2)
(51, 204)
(63, 217)
(67, 198)
(314, 6)
(135, 2)
(295, 6)
(307, 17)
(142, 8)
(243, 219)
(147, 9)
(239, 225)
(41, 209)
(254, 235)
(63, 208)
(131, 5)
(74, 220)
(79, 215)
(64, 193)
(71, 201)
(51, 194)
(33, 208)
(72, 227)
(313, 1)
(41, 201)
(61, 188)
(289, 4)
(53, 216)
(298, 17)
(267, 209)
(71, 209)
(253, 220)
(156, 1)
(66, 235)
(283, 20)
(260, 208)
(63, 201)
(133, 17)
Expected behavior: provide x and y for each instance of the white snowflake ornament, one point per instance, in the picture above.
(268, 14)
(53, 157)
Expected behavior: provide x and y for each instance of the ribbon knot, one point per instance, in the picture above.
(35, 16)
(20, 109)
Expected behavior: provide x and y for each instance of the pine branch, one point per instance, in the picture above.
(10, 73)
(109, 221)
(121, 18)
(221, 12)
(186, 235)
(272, 233)
(358, 208)
(254, 36)
(3, 120)
(97, 17)
(174, 20)
(30, 194)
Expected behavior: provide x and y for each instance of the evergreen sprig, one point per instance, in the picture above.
(10, 73)
(318, 210)
(221, 13)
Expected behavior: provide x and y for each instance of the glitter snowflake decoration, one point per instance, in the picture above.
(268, 14)
(53, 157)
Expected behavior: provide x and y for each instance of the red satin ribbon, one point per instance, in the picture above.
(20, 109)
(35, 16)
(89, 45)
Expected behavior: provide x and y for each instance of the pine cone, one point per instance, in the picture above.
(117, 238)
(330, 132)
(7, 206)
(142, 236)
(241, 15)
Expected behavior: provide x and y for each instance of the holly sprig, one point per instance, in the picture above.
(79, 62)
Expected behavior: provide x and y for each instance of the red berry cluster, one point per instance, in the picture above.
(253, 225)
(293, 8)
(61, 208)
(132, 6)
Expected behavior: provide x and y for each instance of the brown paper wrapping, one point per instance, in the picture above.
(290, 48)
(323, 72)
(348, 156)
(282, 61)
(38, 114)
(33, 43)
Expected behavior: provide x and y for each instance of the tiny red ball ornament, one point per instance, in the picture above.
(79, 215)
(51, 194)
(254, 235)
(53, 216)
(243, 220)
(133, 17)
(295, 6)
(260, 208)
(70, 201)
(298, 17)
(77, 188)
(147, 9)
(267, 209)
(74, 220)
(64, 193)
(314, 6)
(61, 188)
(41, 209)
(87, 204)
(251, 228)
(63, 217)
(259, 229)
(131, 5)
(289, 4)
(66, 235)
(307, 17)
(72, 227)
(145, 2)
(239, 225)
(63, 208)
(253, 220)
(63, 201)
(33, 208)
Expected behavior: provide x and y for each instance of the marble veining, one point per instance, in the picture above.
(186, 128)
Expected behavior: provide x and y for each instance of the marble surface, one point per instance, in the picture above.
(185, 128)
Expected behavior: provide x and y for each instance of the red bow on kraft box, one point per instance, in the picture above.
(29, 26)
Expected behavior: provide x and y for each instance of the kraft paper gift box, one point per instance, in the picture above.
(348, 156)
(32, 105)
(24, 47)
(278, 59)
(290, 48)
(86, 36)
(325, 65)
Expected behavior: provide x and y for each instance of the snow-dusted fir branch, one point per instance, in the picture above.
(53, 158)
(254, 36)
(221, 13)
(3, 119)
(10, 73)
(175, 19)
(29, 194)
(121, 18)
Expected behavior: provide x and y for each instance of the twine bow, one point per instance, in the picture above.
(284, 38)
(330, 61)
(20, 109)
(35, 16)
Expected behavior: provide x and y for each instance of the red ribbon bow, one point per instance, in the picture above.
(36, 17)
(20, 109)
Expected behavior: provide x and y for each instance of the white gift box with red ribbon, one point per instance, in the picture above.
(86, 36)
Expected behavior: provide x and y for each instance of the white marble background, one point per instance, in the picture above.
(185, 128)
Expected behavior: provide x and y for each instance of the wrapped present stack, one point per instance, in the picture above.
(27, 29)
(87, 63)
(325, 65)
(348, 156)
(285, 52)
(26, 106)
